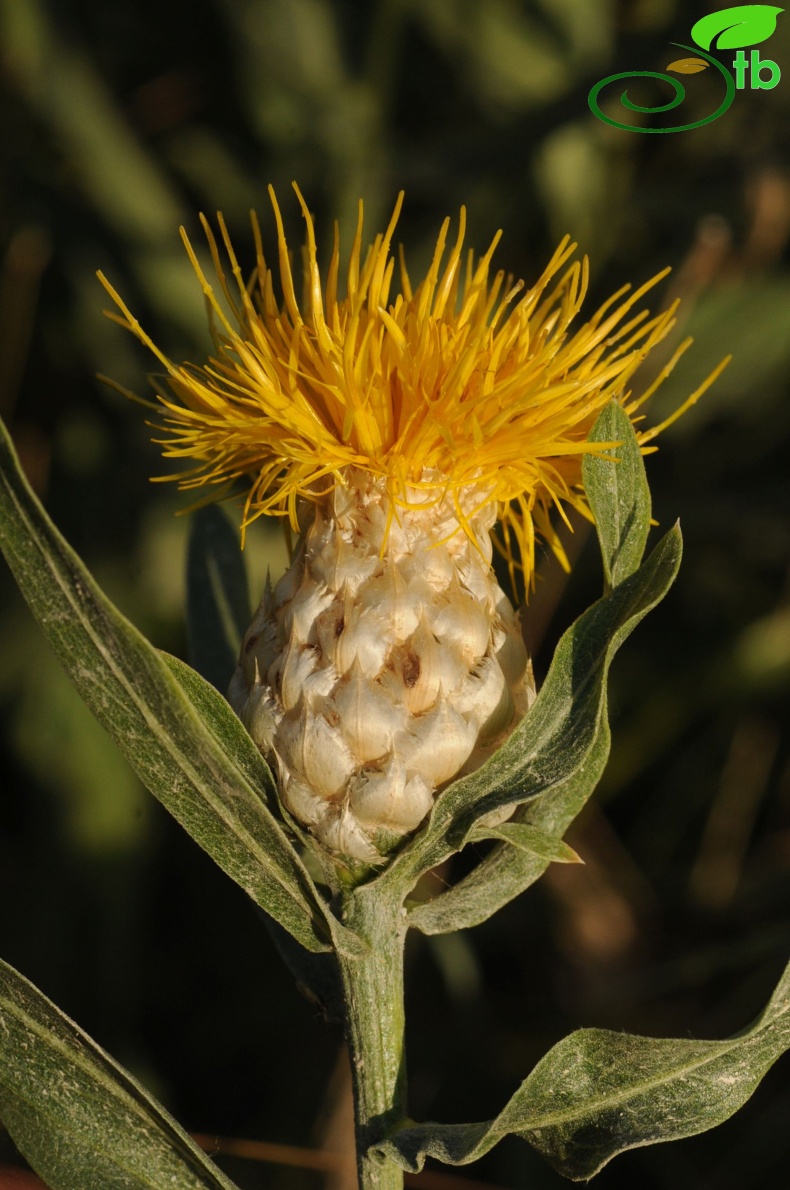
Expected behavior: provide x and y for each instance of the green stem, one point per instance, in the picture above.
(374, 1021)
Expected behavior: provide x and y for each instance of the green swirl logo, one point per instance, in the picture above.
(730, 28)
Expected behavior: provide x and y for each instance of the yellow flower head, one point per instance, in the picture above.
(466, 381)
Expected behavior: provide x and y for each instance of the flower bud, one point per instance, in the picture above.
(373, 679)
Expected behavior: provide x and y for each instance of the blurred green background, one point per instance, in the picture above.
(120, 119)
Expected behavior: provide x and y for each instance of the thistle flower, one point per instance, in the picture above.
(393, 429)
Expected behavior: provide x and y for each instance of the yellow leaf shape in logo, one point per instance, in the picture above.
(688, 65)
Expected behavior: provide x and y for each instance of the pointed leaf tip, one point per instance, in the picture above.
(618, 493)
(550, 764)
(175, 730)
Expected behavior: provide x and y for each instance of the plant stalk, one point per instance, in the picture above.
(374, 1027)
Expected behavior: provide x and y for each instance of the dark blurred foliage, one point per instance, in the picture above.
(121, 119)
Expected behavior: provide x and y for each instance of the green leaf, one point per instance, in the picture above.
(599, 1093)
(236, 743)
(529, 839)
(161, 731)
(552, 762)
(733, 28)
(78, 1117)
(616, 487)
(497, 880)
(508, 871)
(227, 729)
(218, 610)
(619, 496)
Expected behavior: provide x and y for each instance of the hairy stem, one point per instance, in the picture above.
(374, 1022)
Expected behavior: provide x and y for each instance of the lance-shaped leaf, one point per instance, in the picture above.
(733, 28)
(598, 1093)
(552, 762)
(556, 756)
(616, 486)
(505, 873)
(236, 744)
(77, 1116)
(218, 608)
(508, 870)
(135, 696)
(529, 839)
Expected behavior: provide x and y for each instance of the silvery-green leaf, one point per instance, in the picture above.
(599, 1093)
(556, 755)
(508, 871)
(78, 1117)
(135, 696)
(236, 743)
(218, 609)
(226, 727)
(528, 839)
(620, 499)
(498, 879)
(618, 494)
